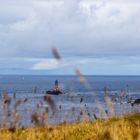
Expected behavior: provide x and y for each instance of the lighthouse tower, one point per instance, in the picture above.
(56, 87)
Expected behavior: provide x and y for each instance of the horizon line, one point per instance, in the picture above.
(68, 75)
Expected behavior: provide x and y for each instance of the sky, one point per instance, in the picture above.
(100, 37)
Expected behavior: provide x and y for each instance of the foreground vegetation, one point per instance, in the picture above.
(125, 127)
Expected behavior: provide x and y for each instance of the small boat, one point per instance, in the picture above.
(56, 90)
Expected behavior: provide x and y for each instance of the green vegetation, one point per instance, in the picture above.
(125, 127)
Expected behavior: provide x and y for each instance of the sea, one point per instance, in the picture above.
(107, 95)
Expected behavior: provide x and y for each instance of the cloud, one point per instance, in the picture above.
(88, 65)
(83, 28)
(46, 64)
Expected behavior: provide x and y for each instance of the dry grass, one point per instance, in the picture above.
(125, 127)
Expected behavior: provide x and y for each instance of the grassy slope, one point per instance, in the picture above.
(116, 128)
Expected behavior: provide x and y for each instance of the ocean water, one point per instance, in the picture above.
(68, 105)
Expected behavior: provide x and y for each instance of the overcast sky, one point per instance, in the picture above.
(99, 36)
